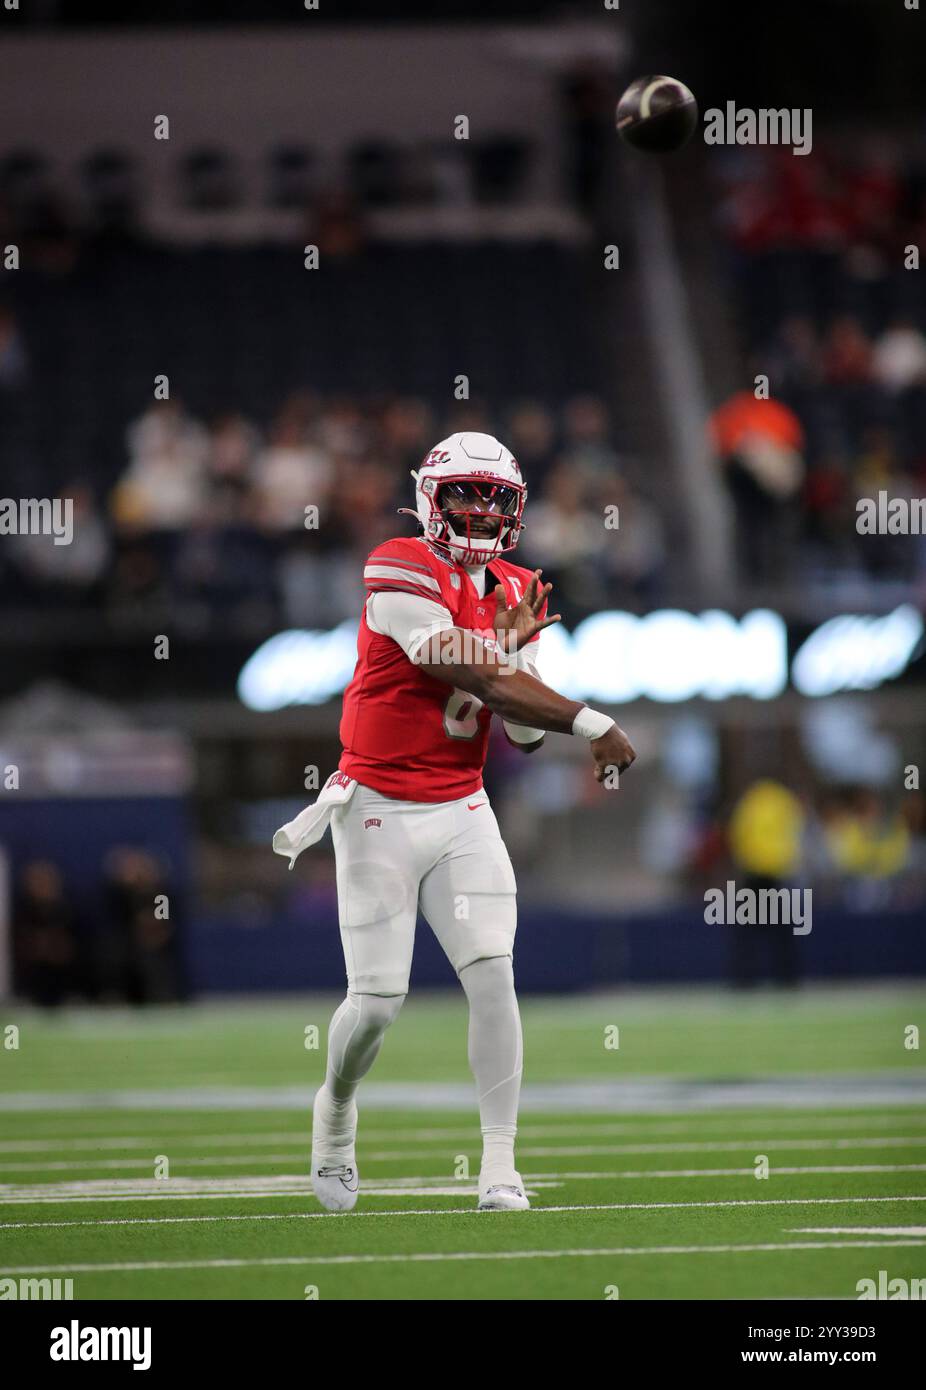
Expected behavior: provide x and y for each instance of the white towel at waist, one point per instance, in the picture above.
(310, 825)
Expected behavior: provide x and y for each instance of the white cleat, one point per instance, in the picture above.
(503, 1196)
(335, 1180)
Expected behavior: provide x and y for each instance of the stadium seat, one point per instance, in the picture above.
(209, 180)
(291, 176)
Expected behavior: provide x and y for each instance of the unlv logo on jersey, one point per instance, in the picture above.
(373, 823)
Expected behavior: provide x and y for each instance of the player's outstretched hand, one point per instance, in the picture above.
(519, 624)
(612, 750)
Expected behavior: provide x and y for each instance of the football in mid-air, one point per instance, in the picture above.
(657, 114)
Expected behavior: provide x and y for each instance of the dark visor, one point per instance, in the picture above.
(474, 496)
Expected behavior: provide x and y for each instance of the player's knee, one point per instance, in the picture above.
(489, 982)
(376, 1012)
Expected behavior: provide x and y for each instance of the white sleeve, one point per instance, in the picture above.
(525, 658)
(408, 619)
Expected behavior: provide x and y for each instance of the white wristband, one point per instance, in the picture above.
(591, 723)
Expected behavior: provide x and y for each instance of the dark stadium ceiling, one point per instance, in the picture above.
(851, 59)
(75, 13)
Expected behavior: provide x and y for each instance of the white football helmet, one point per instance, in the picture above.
(470, 497)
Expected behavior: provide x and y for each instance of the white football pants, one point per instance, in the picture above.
(449, 858)
(392, 856)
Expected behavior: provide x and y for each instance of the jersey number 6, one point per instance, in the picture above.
(461, 715)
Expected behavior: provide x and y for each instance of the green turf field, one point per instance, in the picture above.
(641, 1158)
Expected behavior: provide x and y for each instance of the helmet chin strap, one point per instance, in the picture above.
(471, 555)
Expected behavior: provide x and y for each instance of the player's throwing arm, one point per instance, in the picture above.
(520, 698)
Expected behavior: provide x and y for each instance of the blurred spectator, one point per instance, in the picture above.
(865, 839)
(164, 484)
(587, 436)
(344, 426)
(564, 534)
(361, 506)
(290, 474)
(78, 566)
(765, 833)
(138, 960)
(759, 445)
(817, 259)
(637, 554)
(233, 443)
(899, 358)
(197, 515)
(43, 932)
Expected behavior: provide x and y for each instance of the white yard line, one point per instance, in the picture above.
(185, 1160)
(190, 1189)
(310, 1261)
(768, 1142)
(149, 1141)
(777, 1169)
(887, 1087)
(589, 1150)
(762, 1145)
(181, 1188)
(447, 1211)
(859, 1230)
(299, 1140)
(302, 1190)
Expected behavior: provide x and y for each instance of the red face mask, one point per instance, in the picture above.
(477, 510)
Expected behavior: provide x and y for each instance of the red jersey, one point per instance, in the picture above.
(404, 733)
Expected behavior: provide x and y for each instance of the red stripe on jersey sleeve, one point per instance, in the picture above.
(402, 586)
(398, 560)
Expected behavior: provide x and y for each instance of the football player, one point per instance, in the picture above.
(447, 638)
